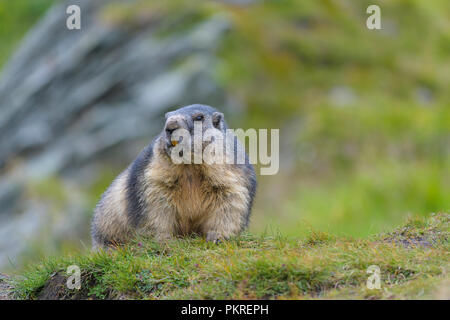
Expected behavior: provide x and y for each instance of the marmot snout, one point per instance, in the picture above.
(155, 196)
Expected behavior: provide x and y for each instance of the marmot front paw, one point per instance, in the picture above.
(213, 236)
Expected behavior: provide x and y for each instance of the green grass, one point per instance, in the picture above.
(351, 167)
(413, 260)
(369, 200)
(358, 170)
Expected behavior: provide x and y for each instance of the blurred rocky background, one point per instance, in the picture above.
(364, 115)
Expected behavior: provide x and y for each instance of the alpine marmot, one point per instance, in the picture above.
(158, 197)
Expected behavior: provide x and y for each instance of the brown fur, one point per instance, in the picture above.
(181, 199)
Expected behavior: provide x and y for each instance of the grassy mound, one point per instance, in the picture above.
(413, 260)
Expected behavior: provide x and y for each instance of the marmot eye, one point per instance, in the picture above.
(198, 118)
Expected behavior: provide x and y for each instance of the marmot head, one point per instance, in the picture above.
(187, 119)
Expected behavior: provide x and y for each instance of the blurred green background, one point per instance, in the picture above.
(364, 115)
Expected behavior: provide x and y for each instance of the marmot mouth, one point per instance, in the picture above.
(172, 143)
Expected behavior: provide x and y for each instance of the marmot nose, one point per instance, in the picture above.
(171, 126)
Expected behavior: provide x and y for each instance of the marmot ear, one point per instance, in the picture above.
(217, 120)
